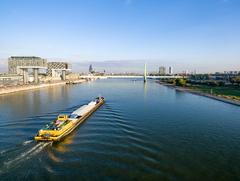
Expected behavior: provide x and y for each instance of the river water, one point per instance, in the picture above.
(143, 131)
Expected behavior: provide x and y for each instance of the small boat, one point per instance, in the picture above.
(65, 124)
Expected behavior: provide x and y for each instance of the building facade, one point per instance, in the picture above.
(16, 62)
(54, 69)
(232, 72)
(170, 70)
(162, 70)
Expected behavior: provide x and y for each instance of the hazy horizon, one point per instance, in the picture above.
(121, 35)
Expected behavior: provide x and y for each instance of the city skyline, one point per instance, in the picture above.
(187, 35)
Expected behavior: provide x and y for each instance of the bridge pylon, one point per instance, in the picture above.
(145, 74)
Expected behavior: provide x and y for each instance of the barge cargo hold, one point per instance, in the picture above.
(65, 124)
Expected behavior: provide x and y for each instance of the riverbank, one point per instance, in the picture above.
(17, 88)
(196, 92)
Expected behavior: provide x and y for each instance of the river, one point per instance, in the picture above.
(143, 131)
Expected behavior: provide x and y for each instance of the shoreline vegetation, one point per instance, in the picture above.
(17, 88)
(224, 94)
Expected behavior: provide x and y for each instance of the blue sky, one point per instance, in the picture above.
(120, 35)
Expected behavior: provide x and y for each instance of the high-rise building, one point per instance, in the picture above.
(162, 70)
(90, 69)
(170, 70)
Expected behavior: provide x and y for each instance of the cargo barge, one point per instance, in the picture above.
(65, 124)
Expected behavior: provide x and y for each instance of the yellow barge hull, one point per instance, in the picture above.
(57, 135)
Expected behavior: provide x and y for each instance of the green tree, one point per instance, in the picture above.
(221, 83)
(212, 83)
(181, 82)
(236, 80)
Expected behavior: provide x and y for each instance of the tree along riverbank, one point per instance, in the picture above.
(17, 88)
(200, 92)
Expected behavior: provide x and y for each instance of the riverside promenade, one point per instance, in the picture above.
(219, 98)
(17, 88)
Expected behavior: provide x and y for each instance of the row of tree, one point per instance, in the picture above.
(183, 82)
(177, 82)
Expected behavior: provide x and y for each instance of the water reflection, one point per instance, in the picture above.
(53, 157)
(62, 146)
(145, 89)
(33, 102)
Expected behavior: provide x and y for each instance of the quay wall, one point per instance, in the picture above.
(12, 89)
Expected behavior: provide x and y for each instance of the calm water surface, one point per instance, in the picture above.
(142, 132)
